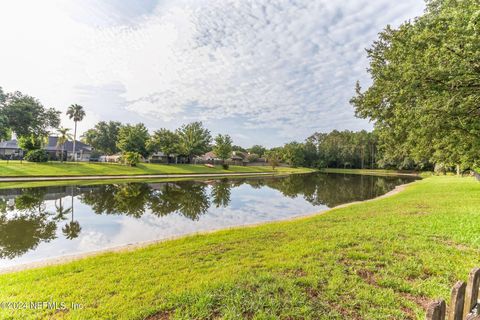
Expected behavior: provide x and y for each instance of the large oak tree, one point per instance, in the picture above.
(425, 95)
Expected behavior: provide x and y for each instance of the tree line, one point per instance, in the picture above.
(32, 123)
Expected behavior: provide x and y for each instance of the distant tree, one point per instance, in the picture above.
(292, 154)
(165, 141)
(252, 157)
(194, 139)
(239, 148)
(257, 149)
(274, 157)
(103, 137)
(76, 113)
(223, 148)
(131, 158)
(4, 125)
(63, 137)
(133, 138)
(27, 116)
(30, 142)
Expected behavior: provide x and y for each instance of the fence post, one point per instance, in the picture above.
(471, 293)
(436, 310)
(457, 301)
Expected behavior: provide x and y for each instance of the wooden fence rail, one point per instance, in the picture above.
(463, 301)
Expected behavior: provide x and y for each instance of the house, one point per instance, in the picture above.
(211, 157)
(83, 150)
(11, 150)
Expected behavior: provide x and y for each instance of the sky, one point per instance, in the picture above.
(264, 71)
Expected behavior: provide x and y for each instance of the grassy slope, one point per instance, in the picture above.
(383, 259)
(90, 169)
(366, 171)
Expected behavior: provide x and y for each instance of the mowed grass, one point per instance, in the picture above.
(369, 171)
(29, 169)
(383, 259)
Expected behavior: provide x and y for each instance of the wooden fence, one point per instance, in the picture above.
(463, 301)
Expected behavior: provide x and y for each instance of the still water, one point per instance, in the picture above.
(47, 222)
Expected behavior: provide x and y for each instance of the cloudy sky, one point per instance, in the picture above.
(264, 71)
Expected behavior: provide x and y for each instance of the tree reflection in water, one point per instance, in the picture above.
(25, 222)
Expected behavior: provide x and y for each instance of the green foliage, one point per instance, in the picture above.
(274, 157)
(30, 142)
(239, 148)
(133, 138)
(63, 137)
(424, 96)
(27, 116)
(223, 147)
(76, 112)
(165, 141)
(37, 155)
(194, 139)
(103, 137)
(131, 158)
(342, 149)
(252, 157)
(257, 149)
(293, 154)
(5, 132)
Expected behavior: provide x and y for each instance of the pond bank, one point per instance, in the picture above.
(130, 247)
(387, 257)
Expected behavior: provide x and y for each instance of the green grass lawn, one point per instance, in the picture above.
(29, 169)
(367, 171)
(384, 259)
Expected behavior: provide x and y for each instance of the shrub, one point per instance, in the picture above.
(252, 157)
(225, 166)
(131, 158)
(37, 155)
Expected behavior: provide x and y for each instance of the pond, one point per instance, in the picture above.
(47, 222)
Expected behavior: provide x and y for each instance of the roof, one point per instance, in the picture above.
(209, 155)
(11, 144)
(68, 146)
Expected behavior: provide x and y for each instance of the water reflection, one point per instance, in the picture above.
(31, 216)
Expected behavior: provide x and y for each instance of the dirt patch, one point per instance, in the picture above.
(368, 276)
(162, 315)
(418, 300)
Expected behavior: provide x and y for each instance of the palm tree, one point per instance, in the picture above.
(72, 229)
(75, 112)
(63, 137)
(60, 210)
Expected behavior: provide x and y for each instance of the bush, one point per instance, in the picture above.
(252, 157)
(38, 155)
(131, 158)
(225, 166)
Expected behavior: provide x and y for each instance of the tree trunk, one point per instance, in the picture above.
(74, 158)
(458, 169)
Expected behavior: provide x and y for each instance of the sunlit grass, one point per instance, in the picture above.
(383, 259)
(29, 169)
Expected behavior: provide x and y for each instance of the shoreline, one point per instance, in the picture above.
(130, 247)
(142, 176)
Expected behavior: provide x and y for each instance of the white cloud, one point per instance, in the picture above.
(284, 65)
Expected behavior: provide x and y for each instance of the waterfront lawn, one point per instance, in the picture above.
(383, 259)
(370, 171)
(29, 169)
